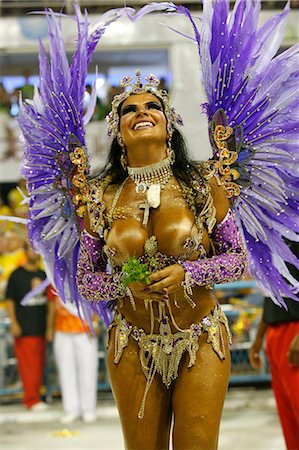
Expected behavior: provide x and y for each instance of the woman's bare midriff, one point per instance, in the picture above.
(184, 315)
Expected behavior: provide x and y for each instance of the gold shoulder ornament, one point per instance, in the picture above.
(229, 154)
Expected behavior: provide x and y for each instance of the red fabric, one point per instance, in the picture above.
(285, 380)
(30, 354)
(51, 293)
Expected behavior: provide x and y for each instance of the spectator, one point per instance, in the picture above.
(27, 89)
(281, 328)
(163, 85)
(13, 255)
(4, 98)
(28, 326)
(76, 358)
(3, 280)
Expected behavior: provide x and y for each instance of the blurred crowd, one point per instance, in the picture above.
(12, 235)
(10, 146)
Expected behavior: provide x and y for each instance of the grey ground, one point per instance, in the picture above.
(249, 422)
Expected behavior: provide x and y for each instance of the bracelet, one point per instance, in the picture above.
(187, 286)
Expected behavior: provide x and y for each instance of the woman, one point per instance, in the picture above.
(169, 342)
(168, 349)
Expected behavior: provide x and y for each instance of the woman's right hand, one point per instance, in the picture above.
(15, 329)
(140, 291)
(254, 353)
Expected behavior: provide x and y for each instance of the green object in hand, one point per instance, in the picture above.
(134, 270)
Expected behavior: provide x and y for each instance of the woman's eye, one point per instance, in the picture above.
(154, 106)
(128, 109)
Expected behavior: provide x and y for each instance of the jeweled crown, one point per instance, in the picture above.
(151, 85)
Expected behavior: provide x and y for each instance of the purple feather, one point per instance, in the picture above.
(38, 290)
(166, 7)
(261, 266)
(47, 123)
(219, 28)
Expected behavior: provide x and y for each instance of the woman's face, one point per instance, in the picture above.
(142, 118)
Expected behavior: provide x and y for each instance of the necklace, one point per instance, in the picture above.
(157, 173)
(151, 179)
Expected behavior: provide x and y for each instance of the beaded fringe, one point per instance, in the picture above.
(162, 354)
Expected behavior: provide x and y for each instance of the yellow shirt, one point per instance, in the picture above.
(8, 263)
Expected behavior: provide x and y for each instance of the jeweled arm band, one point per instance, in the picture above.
(228, 265)
(94, 284)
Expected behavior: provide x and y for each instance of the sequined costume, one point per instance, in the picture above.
(161, 351)
(252, 103)
(229, 264)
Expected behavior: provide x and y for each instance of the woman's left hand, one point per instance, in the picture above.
(167, 280)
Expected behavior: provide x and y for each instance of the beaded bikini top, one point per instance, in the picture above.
(197, 199)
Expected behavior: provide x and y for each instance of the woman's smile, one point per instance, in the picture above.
(143, 124)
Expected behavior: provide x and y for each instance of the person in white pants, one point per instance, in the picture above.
(76, 356)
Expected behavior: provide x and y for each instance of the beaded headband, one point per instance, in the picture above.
(139, 88)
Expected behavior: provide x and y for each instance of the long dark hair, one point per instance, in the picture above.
(182, 167)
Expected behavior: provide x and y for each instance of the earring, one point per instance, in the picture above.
(124, 159)
(170, 154)
(123, 156)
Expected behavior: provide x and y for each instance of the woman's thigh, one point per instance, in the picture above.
(198, 396)
(128, 384)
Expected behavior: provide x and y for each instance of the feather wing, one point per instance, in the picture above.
(252, 108)
(252, 95)
(52, 126)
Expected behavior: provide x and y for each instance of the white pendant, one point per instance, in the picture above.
(153, 195)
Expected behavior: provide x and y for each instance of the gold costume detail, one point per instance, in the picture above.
(96, 206)
(121, 212)
(221, 134)
(158, 173)
(151, 246)
(227, 157)
(81, 196)
(162, 353)
(151, 180)
(188, 292)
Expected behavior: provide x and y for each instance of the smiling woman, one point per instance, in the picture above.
(158, 230)
(160, 210)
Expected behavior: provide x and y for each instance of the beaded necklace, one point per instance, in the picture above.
(151, 179)
(157, 173)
